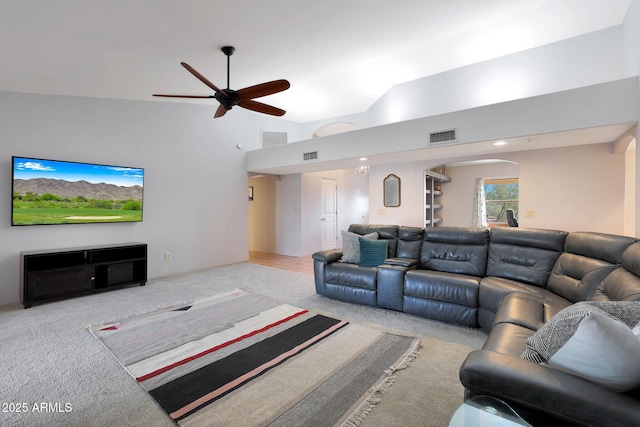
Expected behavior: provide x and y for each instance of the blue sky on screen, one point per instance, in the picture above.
(25, 168)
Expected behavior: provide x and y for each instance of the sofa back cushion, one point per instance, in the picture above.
(623, 284)
(525, 255)
(386, 232)
(607, 247)
(455, 250)
(409, 242)
(587, 259)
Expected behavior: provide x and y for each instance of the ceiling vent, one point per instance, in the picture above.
(444, 137)
(271, 139)
(310, 156)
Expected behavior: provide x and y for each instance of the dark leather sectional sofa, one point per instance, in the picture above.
(509, 282)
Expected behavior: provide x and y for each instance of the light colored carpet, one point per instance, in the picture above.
(56, 374)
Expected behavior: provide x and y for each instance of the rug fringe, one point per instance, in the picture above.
(376, 392)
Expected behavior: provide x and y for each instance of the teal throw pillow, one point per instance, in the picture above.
(373, 252)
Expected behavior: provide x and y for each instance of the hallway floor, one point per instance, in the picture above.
(284, 262)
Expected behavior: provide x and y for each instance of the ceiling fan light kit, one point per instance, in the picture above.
(228, 98)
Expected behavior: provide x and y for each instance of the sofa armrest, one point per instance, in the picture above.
(391, 286)
(328, 256)
(320, 261)
(401, 262)
(550, 391)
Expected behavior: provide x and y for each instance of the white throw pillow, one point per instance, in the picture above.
(351, 246)
(598, 341)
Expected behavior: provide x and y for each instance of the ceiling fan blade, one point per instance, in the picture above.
(261, 108)
(221, 111)
(200, 77)
(184, 96)
(263, 89)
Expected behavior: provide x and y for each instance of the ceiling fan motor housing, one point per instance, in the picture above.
(228, 98)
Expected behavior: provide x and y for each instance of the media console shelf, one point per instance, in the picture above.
(59, 273)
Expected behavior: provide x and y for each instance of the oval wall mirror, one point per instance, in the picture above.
(392, 191)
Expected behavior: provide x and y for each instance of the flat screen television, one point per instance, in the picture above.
(62, 192)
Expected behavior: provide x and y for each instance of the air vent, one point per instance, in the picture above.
(310, 156)
(443, 137)
(271, 139)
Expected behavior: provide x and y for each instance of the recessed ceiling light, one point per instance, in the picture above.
(500, 143)
(363, 159)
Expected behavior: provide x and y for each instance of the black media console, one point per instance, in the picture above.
(53, 274)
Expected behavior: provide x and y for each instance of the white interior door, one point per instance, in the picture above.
(329, 219)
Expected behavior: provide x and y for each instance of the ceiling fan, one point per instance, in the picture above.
(229, 98)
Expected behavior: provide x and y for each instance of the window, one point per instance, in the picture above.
(500, 195)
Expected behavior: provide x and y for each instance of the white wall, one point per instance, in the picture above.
(410, 212)
(631, 40)
(458, 195)
(582, 61)
(262, 215)
(288, 215)
(574, 189)
(195, 189)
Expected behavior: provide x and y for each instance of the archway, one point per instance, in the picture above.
(334, 128)
(626, 145)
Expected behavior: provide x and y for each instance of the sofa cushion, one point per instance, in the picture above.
(575, 277)
(528, 310)
(372, 252)
(623, 284)
(508, 338)
(443, 311)
(552, 240)
(493, 290)
(631, 259)
(587, 259)
(409, 242)
(606, 247)
(598, 341)
(620, 285)
(441, 286)
(342, 273)
(455, 250)
(351, 245)
(525, 255)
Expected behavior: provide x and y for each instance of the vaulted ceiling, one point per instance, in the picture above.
(340, 56)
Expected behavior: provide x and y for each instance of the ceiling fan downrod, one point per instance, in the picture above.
(228, 50)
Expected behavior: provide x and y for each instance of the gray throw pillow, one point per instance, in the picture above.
(595, 340)
(351, 246)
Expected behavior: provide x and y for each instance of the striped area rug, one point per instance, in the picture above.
(241, 359)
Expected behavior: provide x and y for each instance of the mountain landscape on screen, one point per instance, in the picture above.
(66, 189)
(58, 192)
